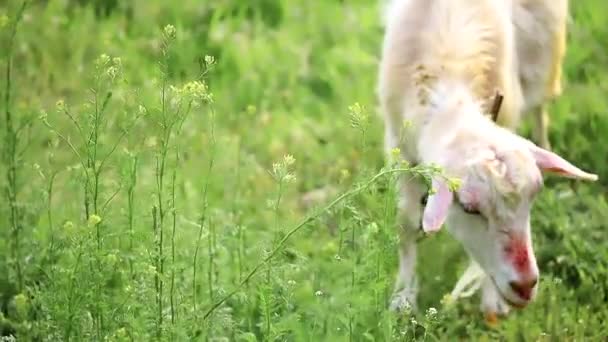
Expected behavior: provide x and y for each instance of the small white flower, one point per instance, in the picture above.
(209, 60)
(373, 228)
(289, 159)
(151, 269)
(117, 62)
(60, 105)
(289, 178)
(142, 110)
(43, 116)
(94, 220)
(102, 60)
(68, 225)
(112, 72)
(170, 32)
(319, 293)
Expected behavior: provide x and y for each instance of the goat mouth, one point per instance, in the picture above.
(507, 300)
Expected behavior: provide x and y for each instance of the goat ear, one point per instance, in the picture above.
(437, 205)
(550, 162)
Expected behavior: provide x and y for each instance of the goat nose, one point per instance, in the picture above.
(524, 287)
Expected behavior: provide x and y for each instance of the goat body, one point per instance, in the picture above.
(442, 62)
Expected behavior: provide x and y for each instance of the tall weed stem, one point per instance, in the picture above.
(11, 157)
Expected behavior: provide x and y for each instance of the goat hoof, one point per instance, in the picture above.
(401, 302)
(491, 319)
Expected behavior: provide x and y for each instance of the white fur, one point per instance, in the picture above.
(442, 62)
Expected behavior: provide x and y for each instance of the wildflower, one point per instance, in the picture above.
(21, 305)
(170, 32)
(60, 105)
(373, 228)
(454, 184)
(94, 220)
(68, 225)
(291, 282)
(358, 117)
(447, 299)
(195, 93)
(319, 293)
(344, 174)
(338, 257)
(289, 178)
(396, 152)
(142, 110)
(431, 313)
(117, 62)
(121, 334)
(209, 60)
(151, 269)
(280, 171)
(276, 168)
(289, 160)
(43, 116)
(355, 109)
(112, 72)
(102, 60)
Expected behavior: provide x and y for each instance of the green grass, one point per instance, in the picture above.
(132, 208)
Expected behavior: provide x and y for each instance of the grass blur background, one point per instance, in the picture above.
(284, 76)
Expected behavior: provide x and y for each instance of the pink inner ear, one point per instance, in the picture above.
(436, 210)
(550, 162)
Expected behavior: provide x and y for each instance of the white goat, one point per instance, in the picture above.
(442, 62)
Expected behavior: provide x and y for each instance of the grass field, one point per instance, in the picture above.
(153, 193)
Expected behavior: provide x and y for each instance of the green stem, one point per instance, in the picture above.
(174, 216)
(204, 210)
(49, 212)
(302, 224)
(157, 280)
(11, 156)
(131, 210)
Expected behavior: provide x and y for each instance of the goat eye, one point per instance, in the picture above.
(424, 199)
(471, 210)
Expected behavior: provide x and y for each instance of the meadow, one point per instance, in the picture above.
(214, 170)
